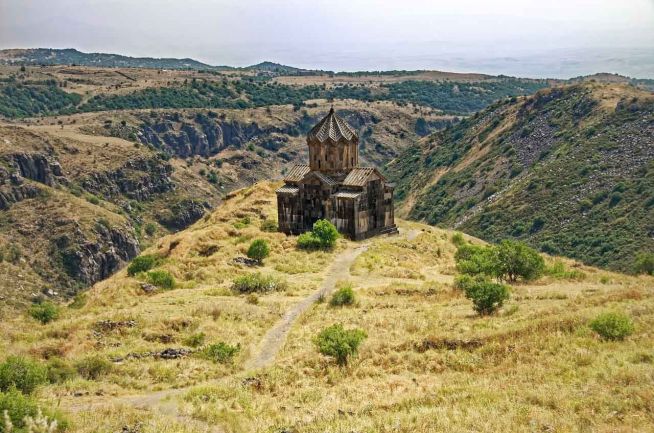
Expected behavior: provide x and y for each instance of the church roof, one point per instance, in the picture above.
(359, 176)
(332, 127)
(324, 178)
(297, 173)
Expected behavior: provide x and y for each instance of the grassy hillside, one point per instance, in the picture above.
(569, 170)
(428, 362)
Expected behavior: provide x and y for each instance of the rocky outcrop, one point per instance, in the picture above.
(183, 214)
(92, 261)
(138, 179)
(36, 166)
(13, 189)
(205, 135)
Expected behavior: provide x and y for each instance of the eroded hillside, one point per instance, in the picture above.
(570, 170)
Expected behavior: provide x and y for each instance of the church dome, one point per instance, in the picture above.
(332, 128)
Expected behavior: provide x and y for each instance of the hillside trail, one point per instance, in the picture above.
(165, 402)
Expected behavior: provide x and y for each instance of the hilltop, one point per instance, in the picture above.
(569, 170)
(82, 194)
(134, 358)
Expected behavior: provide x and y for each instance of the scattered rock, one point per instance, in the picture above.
(110, 325)
(208, 250)
(245, 261)
(148, 288)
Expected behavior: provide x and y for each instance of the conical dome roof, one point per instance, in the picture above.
(333, 128)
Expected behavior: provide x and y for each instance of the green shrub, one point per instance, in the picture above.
(93, 367)
(141, 264)
(517, 260)
(161, 279)
(339, 343)
(644, 263)
(21, 373)
(269, 225)
(325, 232)
(257, 282)
(307, 241)
(486, 296)
(44, 312)
(343, 296)
(221, 352)
(613, 326)
(195, 340)
(259, 250)
(59, 371)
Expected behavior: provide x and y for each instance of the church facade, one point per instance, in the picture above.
(357, 200)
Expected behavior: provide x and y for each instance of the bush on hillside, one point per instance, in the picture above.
(339, 343)
(93, 367)
(17, 411)
(613, 326)
(59, 371)
(343, 296)
(476, 260)
(269, 225)
(644, 263)
(44, 312)
(141, 264)
(257, 282)
(323, 236)
(457, 239)
(161, 279)
(21, 373)
(307, 241)
(220, 352)
(517, 260)
(259, 250)
(486, 296)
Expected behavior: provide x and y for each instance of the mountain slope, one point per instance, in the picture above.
(570, 170)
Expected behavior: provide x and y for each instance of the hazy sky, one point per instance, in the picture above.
(517, 37)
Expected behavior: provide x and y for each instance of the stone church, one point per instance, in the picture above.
(357, 200)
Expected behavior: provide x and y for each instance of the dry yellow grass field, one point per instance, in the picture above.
(429, 363)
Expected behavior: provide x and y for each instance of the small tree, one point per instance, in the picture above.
(44, 312)
(339, 343)
(644, 263)
(516, 260)
(487, 297)
(259, 250)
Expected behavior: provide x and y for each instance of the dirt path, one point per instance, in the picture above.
(165, 402)
(276, 336)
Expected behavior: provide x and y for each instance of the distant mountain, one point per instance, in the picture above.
(570, 170)
(277, 68)
(70, 56)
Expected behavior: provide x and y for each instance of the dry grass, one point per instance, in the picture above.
(428, 364)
